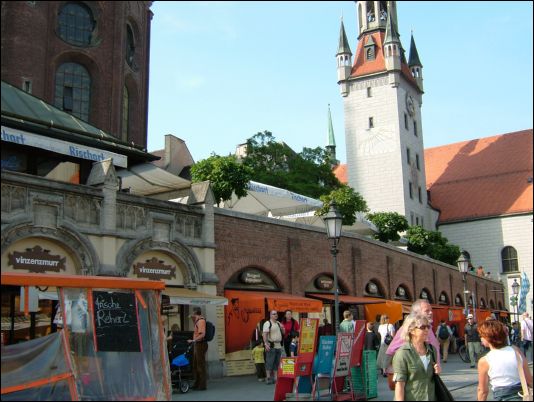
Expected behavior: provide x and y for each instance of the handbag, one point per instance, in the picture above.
(388, 338)
(527, 391)
(442, 393)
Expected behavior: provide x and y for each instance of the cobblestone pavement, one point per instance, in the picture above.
(457, 375)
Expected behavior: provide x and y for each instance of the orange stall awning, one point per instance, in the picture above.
(347, 299)
(393, 309)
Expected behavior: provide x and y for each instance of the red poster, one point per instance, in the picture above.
(357, 344)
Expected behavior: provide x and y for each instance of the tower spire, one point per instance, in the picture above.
(415, 65)
(331, 141)
(344, 60)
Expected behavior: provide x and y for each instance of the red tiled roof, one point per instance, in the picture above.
(481, 178)
(340, 171)
(363, 67)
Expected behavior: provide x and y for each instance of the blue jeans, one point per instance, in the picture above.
(507, 393)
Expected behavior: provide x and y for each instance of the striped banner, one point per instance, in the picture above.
(525, 287)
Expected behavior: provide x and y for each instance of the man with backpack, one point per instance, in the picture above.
(444, 334)
(200, 348)
(273, 334)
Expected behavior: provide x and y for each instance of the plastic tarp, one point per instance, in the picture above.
(36, 370)
(141, 373)
(147, 179)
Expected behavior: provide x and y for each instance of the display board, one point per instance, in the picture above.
(115, 321)
(325, 355)
(343, 353)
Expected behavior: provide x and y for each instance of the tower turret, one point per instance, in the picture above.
(344, 61)
(331, 141)
(415, 65)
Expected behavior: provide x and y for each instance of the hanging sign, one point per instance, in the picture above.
(116, 323)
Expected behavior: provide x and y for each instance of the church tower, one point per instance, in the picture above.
(382, 97)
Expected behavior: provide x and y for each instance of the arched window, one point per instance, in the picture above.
(443, 298)
(130, 46)
(425, 294)
(458, 301)
(509, 260)
(73, 90)
(125, 113)
(492, 304)
(373, 288)
(76, 24)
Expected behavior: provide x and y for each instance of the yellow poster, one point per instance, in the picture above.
(288, 366)
(307, 335)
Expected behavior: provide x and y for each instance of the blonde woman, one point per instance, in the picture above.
(384, 329)
(414, 363)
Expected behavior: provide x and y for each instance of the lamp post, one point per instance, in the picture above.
(515, 291)
(333, 221)
(463, 266)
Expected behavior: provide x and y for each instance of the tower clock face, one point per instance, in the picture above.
(410, 105)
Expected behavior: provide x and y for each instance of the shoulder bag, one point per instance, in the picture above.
(388, 338)
(442, 392)
(527, 391)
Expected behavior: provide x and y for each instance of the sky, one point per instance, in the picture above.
(220, 72)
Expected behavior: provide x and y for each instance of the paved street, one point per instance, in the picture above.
(460, 379)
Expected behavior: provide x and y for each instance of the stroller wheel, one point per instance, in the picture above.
(184, 387)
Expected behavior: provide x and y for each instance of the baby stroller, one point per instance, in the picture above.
(178, 365)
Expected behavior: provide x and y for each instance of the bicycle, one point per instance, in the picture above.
(464, 354)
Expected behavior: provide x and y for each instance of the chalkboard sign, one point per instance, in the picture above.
(116, 326)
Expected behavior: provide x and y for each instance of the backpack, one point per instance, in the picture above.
(210, 331)
(443, 332)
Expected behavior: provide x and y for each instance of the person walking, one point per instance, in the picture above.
(499, 367)
(258, 356)
(526, 334)
(199, 350)
(414, 363)
(444, 334)
(347, 325)
(273, 334)
(472, 340)
(291, 327)
(387, 332)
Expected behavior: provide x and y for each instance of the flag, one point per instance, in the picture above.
(525, 287)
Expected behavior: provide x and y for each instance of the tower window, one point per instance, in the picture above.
(417, 162)
(405, 121)
(130, 46)
(410, 189)
(419, 195)
(371, 122)
(125, 113)
(415, 128)
(369, 93)
(76, 24)
(408, 156)
(73, 90)
(509, 260)
(27, 86)
(370, 53)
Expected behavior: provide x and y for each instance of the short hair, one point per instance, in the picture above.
(410, 323)
(383, 318)
(175, 328)
(197, 311)
(370, 325)
(494, 332)
(347, 314)
(416, 306)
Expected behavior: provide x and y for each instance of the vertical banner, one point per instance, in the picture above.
(357, 344)
(307, 345)
(343, 353)
(325, 355)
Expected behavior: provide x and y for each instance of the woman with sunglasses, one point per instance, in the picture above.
(414, 363)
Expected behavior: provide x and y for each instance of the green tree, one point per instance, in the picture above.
(389, 225)
(226, 175)
(348, 202)
(433, 244)
(275, 163)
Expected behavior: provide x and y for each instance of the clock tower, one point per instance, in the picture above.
(382, 94)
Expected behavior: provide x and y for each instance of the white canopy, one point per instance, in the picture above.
(147, 179)
(361, 226)
(266, 200)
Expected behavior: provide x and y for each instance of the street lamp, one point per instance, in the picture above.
(333, 221)
(463, 266)
(515, 291)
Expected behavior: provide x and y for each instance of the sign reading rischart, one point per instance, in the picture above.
(61, 147)
(36, 260)
(154, 269)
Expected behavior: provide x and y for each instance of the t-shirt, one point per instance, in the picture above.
(471, 333)
(258, 354)
(287, 326)
(383, 330)
(526, 329)
(274, 333)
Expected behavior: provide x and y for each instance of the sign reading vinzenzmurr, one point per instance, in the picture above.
(37, 260)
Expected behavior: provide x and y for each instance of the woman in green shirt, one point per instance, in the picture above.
(414, 363)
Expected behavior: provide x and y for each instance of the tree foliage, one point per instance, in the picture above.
(348, 202)
(308, 173)
(389, 225)
(226, 175)
(433, 244)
